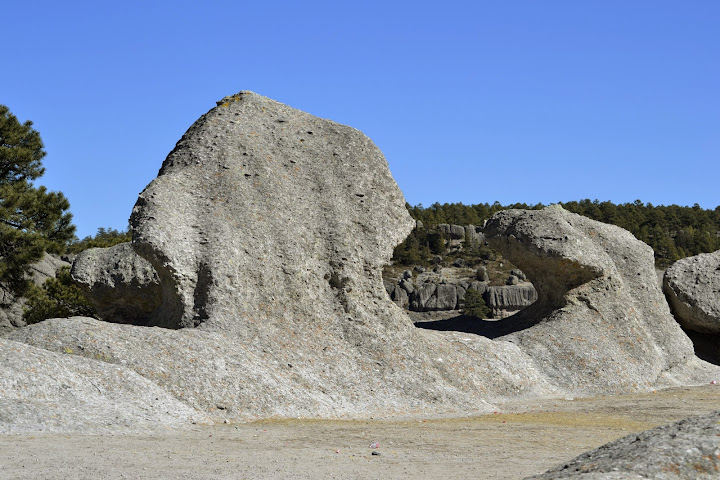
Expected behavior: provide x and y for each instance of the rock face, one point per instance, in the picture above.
(692, 287)
(122, 286)
(263, 199)
(462, 232)
(599, 305)
(11, 308)
(687, 449)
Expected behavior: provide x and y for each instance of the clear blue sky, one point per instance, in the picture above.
(471, 101)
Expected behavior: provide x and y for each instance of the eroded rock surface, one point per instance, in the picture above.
(599, 306)
(263, 214)
(268, 229)
(122, 286)
(44, 392)
(688, 449)
(692, 287)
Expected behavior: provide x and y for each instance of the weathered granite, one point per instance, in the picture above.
(692, 287)
(45, 392)
(122, 286)
(295, 212)
(688, 449)
(290, 375)
(268, 229)
(599, 306)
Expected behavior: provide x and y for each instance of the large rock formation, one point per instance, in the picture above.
(268, 229)
(122, 286)
(687, 449)
(263, 215)
(692, 287)
(599, 305)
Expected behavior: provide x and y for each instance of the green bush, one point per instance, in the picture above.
(57, 298)
(475, 306)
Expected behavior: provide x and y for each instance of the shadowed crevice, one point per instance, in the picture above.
(706, 345)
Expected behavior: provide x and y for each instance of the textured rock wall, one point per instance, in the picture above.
(296, 212)
(599, 305)
(687, 449)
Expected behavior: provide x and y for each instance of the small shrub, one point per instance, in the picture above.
(475, 306)
(57, 298)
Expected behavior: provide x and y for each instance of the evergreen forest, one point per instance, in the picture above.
(673, 232)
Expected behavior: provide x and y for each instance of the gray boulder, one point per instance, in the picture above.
(296, 212)
(599, 305)
(687, 449)
(268, 229)
(407, 285)
(122, 286)
(398, 295)
(445, 298)
(692, 287)
(452, 232)
(420, 298)
(509, 297)
(474, 234)
(519, 274)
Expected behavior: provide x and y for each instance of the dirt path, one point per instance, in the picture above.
(523, 439)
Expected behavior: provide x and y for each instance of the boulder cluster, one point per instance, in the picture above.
(253, 288)
(434, 291)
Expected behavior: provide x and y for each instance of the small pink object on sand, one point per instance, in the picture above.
(714, 382)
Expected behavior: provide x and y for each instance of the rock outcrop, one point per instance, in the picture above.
(430, 292)
(461, 232)
(262, 215)
(687, 450)
(122, 286)
(599, 305)
(692, 287)
(268, 229)
(11, 308)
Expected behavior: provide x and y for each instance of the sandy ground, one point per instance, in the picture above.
(520, 440)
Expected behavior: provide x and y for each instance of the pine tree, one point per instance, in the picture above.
(474, 305)
(32, 220)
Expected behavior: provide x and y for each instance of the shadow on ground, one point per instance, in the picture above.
(707, 346)
(487, 328)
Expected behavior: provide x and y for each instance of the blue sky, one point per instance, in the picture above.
(470, 101)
